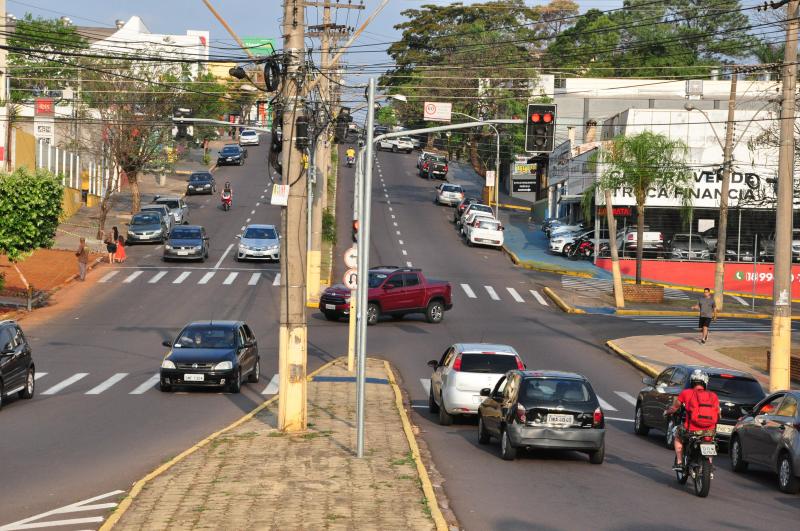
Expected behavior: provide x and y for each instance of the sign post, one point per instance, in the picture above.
(44, 120)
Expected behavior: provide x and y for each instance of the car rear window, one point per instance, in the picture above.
(737, 388)
(171, 203)
(451, 188)
(490, 363)
(248, 133)
(488, 225)
(145, 219)
(554, 390)
(480, 208)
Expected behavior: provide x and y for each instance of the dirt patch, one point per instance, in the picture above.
(755, 356)
(44, 270)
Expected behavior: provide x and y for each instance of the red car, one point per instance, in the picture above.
(394, 291)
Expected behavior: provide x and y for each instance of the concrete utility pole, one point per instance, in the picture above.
(3, 84)
(727, 163)
(292, 338)
(780, 347)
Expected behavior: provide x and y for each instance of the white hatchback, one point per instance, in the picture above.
(484, 231)
(248, 137)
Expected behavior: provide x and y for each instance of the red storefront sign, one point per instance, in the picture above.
(43, 107)
(617, 211)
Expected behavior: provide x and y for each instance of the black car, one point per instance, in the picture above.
(17, 371)
(146, 227)
(211, 354)
(550, 410)
(201, 183)
(186, 242)
(738, 392)
(740, 250)
(462, 206)
(231, 154)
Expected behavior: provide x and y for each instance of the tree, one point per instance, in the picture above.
(30, 207)
(386, 116)
(641, 163)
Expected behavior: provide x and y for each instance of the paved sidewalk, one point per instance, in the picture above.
(254, 477)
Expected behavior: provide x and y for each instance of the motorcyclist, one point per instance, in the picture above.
(702, 413)
(227, 191)
(351, 155)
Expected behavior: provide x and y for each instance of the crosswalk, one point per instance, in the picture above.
(721, 324)
(500, 294)
(607, 285)
(200, 277)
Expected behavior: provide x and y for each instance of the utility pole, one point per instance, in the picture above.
(781, 343)
(4, 94)
(292, 338)
(722, 230)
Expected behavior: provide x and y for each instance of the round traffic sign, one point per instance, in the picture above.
(351, 257)
(350, 278)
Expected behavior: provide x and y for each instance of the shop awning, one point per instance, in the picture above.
(570, 199)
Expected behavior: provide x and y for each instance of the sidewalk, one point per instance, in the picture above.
(251, 476)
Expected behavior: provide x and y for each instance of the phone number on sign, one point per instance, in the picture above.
(759, 277)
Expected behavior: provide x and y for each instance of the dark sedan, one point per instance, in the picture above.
(201, 183)
(550, 410)
(231, 154)
(147, 227)
(769, 436)
(462, 206)
(17, 371)
(186, 242)
(211, 354)
(738, 392)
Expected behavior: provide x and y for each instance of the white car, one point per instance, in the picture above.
(472, 208)
(248, 137)
(463, 370)
(403, 143)
(558, 241)
(259, 242)
(565, 229)
(470, 218)
(484, 231)
(449, 194)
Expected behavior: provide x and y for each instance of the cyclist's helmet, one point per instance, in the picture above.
(699, 376)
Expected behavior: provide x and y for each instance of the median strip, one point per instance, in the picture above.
(560, 302)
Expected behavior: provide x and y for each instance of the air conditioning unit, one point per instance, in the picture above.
(694, 89)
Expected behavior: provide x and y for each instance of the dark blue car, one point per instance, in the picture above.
(230, 155)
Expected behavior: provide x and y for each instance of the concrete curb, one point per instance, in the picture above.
(139, 485)
(213, 167)
(540, 266)
(633, 360)
(427, 486)
(560, 302)
(682, 313)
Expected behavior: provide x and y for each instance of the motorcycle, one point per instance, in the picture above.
(350, 161)
(227, 200)
(697, 453)
(580, 248)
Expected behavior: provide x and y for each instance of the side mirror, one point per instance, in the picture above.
(486, 391)
(433, 364)
(502, 228)
(167, 343)
(648, 381)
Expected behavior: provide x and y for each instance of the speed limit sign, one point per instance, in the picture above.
(350, 278)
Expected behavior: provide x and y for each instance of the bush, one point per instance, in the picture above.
(206, 159)
(328, 226)
(30, 207)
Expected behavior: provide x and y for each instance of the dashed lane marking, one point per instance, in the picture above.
(39, 375)
(158, 276)
(605, 405)
(405, 253)
(468, 290)
(492, 293)
(398, 233)
(401, 242)
(252, 211)
(626, 397)
(181, 277)
(107, 384)
(66, 383)
(146, 386)
(230, 278)
(277, 281)
(108, 276)
(272, 386)
(130, 278)
(539, 298)
(516, 296)
(254, 279)
(206, 278)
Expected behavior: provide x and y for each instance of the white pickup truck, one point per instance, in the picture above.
(653, 242)
(395, 145)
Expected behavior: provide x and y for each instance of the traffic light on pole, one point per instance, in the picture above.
(540, 128)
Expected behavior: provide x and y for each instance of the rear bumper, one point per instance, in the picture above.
(556, 438)
(449, 201)
(461, 402)
(498, 242)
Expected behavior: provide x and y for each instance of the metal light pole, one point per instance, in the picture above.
(496, 162)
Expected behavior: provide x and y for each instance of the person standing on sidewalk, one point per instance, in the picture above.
(83, 259)
(111, 247)
(119, 254)
(708, 313)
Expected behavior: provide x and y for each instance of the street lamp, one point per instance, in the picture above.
(496, 161)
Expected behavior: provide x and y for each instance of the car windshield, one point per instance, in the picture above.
(200, 177)
(230, 150)
(404, 139)
(735, 387)
(206, 337)
(489, 363)
(145, 219)
(170, 203)
(376, 279)
(554, 390)
(451, 188)
(256, 233)
(182, 233)
(480, 208)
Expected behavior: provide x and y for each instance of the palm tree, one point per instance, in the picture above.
(640, 163)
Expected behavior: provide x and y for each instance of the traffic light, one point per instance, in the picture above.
(540, 128)
(342, 123)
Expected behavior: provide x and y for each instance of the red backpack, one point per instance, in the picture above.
(703, 409)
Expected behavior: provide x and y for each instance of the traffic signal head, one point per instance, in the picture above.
(540, 127)
(342, 123)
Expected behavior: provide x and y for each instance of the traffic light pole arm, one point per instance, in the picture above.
(208, 121)
(451, 127)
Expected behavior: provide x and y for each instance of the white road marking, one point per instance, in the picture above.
(221, 258)
(619, 419)
(230, 278)
(390, 209)
(66, 383)
(146, 386)
(741, 300)
(206, 278)
(262, 197)
(259, 204)
(626, 397)
(247, 220)
(272, 387)
(252, 211)
(392, 216)
(401, 242)
(468, 291)
(266, 190)
(277, 281)
(84, 505)
(539, 298)
(492, 293)
(516, 296)
(181, 277)
(108, 383)
(605, 405)
(398, 233)
(39, 375)
(130, 278)
(426, 384)
(388, 202)
(385, 195)
(405, 253)
(242, 228)
(158, 276)
(254, 279)
(394, 223)
(108, 276)
(409, 264)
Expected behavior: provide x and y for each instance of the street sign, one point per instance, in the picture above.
(44, 129)
(350, 278)
(437, 111)
(351, 257)
(259, 45)
(489, 177)
(280, 195)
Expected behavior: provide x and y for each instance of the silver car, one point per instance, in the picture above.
(259, 242)
(177, 207)
(463, 370)
(449, 194)
(163, 211)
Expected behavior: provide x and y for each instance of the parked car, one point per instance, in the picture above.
(211, 354)
(449, 194)
(395, 291)
(146, 227)
(423, 156)
(434, 167)
(688, 247)
(201, 182)
(738, 392)
(565, 228)
(259, 242)
(474, 207)
(248, 137)
(231, 154)
(710, 237)
(402, 143)
(559, 242)
(186, 242)
(177, 207)
(471, 216)
(460, 374)
(766, 246)
(17, 370)
(161, 210)
(550, 410)
(652, 242)
(484, 231)
(462, 206)
(769, 436)
(740, 249)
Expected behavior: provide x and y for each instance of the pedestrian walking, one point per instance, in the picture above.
(708, 313)
(111, 247)
(119, 254)
(83, 259)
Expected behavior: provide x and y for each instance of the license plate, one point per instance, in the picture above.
(725, 429)
(559, 419)
(708, 449)
(330, 306)
(193, 377)
(183, 253)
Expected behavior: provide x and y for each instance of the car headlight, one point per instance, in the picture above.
(168, 247)
(223, 366)
(273, 248)
(558, 241)
(243, 247)
(167, 364)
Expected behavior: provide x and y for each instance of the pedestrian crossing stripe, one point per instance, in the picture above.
(494, 295)
(186, 277)
(604, 284)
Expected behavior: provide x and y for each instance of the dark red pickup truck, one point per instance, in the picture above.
(394, 291)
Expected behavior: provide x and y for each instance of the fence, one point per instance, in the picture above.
(82, 172)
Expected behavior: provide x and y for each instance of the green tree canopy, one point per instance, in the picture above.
(30, 206)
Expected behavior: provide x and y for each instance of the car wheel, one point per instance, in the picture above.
(331, 316)
(236, 383)
(738, 464)
(164, 388)
(787, 481)
(445, 418)
(483, 435)
(435, 312)
(394, 149)
(639, 427)
(507, 450)
(30, 384)
(373, 312)
(597, 457)
(669, 435)
(433, 407)
(255, 374)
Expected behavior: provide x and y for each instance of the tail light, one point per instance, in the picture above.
(457, 363)
(445, 167)
(597, 418)
(521, 413)
(520, 365)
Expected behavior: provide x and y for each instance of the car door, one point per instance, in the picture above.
(436, 377)
(414, 291)
(242, 351)
(490, 408)
(761, 444)
(653, 399)
(778, 425)
(252, 346)
(11, 360)
(392, 297)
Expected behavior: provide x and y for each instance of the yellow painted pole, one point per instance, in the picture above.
(351, 336)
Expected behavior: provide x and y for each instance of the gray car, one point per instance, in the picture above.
(259, 242)
(769, 436)
(186, 242)
(163, 211)
(689, 247)
(177, 207)
(147, 227)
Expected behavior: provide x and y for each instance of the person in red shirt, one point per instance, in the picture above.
(701, 415)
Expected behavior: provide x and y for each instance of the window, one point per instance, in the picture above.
(395, 281)
(376, 279)
(729, 387)
(770, 406)
(410, 279)
(678, 377)
(488, 363)
(788, 407)
(555, 390)
(249, 333)
(664, 378)
(500, 388)
(241, 336)
(6, 340)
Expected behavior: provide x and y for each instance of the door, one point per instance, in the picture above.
(761, 440)
(392, 297)
(436, 377)
(414, 292)
(252, 349)
(777, 426)
(491, 407)
(13, 365)
(652, 401)
(242, 351)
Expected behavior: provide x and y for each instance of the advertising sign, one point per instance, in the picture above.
(523, 185)
(489, 178)
(44, 107)
(437, 111)
(280, 195)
